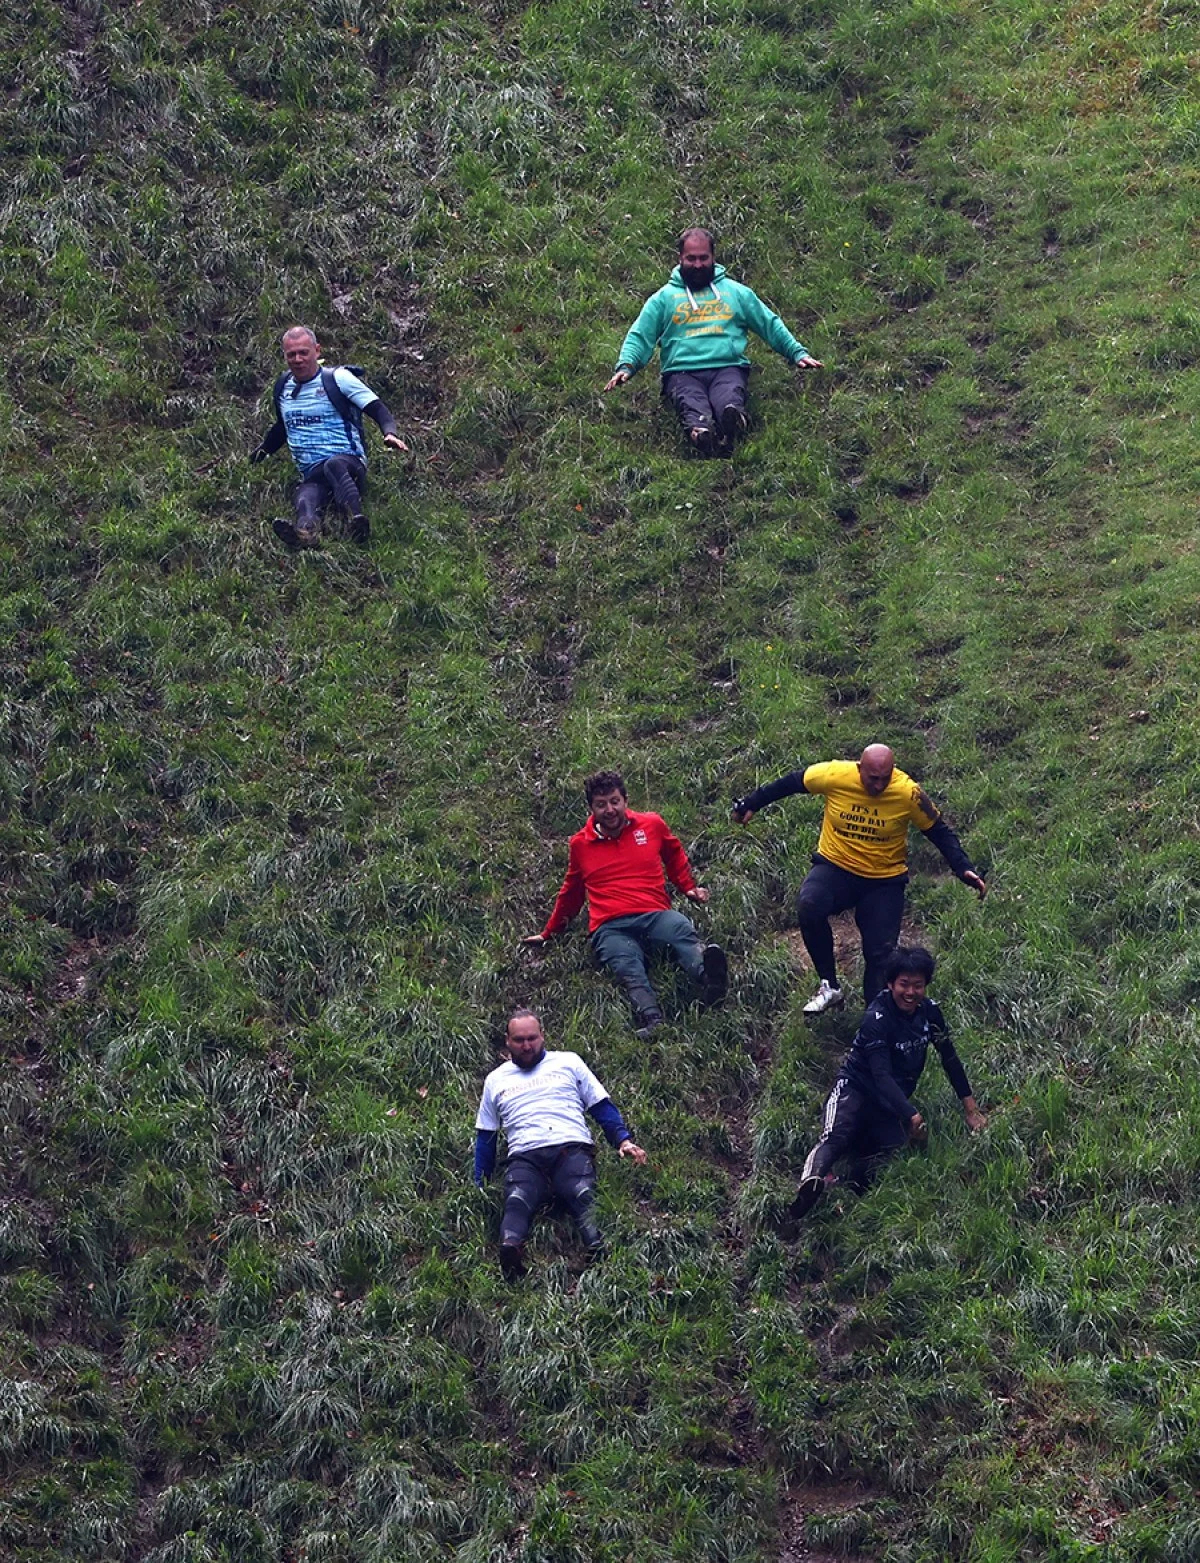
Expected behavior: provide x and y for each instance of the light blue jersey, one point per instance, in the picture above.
(315, 428)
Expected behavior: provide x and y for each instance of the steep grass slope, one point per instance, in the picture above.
(272, 825)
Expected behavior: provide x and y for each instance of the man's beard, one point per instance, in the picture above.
(697, 276)
(532, 1064)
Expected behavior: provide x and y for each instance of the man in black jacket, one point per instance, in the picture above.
(319, 413)
(869, 1114)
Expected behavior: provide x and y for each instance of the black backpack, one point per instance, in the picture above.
(350, 414)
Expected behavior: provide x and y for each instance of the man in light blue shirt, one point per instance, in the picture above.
(319, 413)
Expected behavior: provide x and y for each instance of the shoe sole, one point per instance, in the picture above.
(512, 1264)
(734, 423)
(359, 530)
(815, 1008)
(716, 974)
(807, 1197)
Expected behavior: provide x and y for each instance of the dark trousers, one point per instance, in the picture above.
(533, 1178)
(878, 907)
(623, 944)
(700, 396)
(856, 1126)
(342, 479)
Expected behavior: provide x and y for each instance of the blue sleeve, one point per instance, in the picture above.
(485, 1154)
(606, 1115)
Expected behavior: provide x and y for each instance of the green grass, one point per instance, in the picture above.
(270, 826)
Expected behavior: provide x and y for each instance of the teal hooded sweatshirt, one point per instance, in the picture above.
(704, 330)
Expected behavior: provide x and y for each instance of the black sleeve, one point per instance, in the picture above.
(950, 847)
(377, 410)
(793, 782)
(887, 1088)
(948, 1054)
(273, 439)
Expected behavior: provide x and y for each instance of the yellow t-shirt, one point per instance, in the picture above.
(867, 836)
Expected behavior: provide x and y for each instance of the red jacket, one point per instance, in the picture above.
(622, 876)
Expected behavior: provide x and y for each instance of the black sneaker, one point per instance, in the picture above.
(512, 1261)
(716, 975)
(734, 423)
(807, 1196)
(285, 531)
(702, 440)
(595, 1252)
(648, 1022)
(359, 529)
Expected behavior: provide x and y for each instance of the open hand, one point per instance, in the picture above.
(394, 441)
(698, 894)
(618, 379)
(628, 1148)
(534, 941)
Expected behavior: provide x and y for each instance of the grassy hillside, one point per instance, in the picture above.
(271, 825)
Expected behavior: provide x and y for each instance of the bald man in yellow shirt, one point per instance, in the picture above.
(861, 860)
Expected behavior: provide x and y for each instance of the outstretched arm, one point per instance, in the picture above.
(745, 808)
(679, 870)
(387, 424)
(569, 900)
(485, 1154)
(957, 1077)
(951, 848)
(275, 437)
(767, 324)
(640, 341)
(608, 1116)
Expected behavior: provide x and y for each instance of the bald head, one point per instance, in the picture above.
(875, 767)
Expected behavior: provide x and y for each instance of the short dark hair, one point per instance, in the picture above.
(521, 1013)
(912, 959)
(688, 232)
(603, 781)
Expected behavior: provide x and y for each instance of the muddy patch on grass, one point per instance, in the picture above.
(847, 945)
(812, 1502)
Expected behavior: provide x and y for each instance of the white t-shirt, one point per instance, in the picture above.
(540, 1106)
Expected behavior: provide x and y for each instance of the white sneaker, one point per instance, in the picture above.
(826, 997)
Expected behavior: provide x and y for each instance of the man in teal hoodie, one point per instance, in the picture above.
(699, 323)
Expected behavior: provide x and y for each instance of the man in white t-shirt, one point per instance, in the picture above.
(319, 413)
(539, 1100)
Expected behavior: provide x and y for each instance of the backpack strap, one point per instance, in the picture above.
(277, 392)
(350, 414)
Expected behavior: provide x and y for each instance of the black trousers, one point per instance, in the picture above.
(700, 396)
(856, 1126)
(878, 907)
(341, 478)
(533, 1178)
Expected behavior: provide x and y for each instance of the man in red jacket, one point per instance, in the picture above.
(616, 862)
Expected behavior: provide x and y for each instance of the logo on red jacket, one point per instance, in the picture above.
(640, 837)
